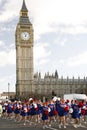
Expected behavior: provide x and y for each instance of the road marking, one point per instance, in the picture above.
(51, 128)
(83, 126)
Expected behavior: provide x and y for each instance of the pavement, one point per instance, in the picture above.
(11, 125)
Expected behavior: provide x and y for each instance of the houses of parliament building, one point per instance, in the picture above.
(29, 84)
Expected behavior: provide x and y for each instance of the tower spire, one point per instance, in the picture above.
(24, 8)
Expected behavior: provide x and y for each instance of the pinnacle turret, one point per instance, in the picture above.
(24, 8)
(24, 18)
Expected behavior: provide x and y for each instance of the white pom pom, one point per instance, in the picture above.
(49, 109)
(70, 110)
(84, 107)
(35, 105)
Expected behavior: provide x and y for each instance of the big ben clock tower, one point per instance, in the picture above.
(24, 54)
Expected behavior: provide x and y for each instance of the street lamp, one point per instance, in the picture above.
(8, 89)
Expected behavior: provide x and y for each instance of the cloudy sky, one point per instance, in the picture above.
(60, 38)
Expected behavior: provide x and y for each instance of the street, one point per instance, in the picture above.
(11, 125)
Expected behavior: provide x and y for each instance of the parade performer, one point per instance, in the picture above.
(17, 110)
(52, 112)
(9, 109)
(45, 114)
(24, 113)
(33, 108)
(4, 109)
(62, 112)
(76, 113)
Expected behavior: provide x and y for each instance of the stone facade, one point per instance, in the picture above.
(52, 85)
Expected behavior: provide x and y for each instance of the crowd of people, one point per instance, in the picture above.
(60, 111)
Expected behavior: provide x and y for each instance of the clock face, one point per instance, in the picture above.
(25, 35)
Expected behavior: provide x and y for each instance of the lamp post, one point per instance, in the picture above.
(8, 89)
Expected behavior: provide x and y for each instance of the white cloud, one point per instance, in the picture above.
(41, 54)
(2, 43)
(10, 12)
(7, 57)
(49, 14)
(61, 42)
(74, 61)
(8, 28)
(78, 60)
(6, 16)
(71, 29)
